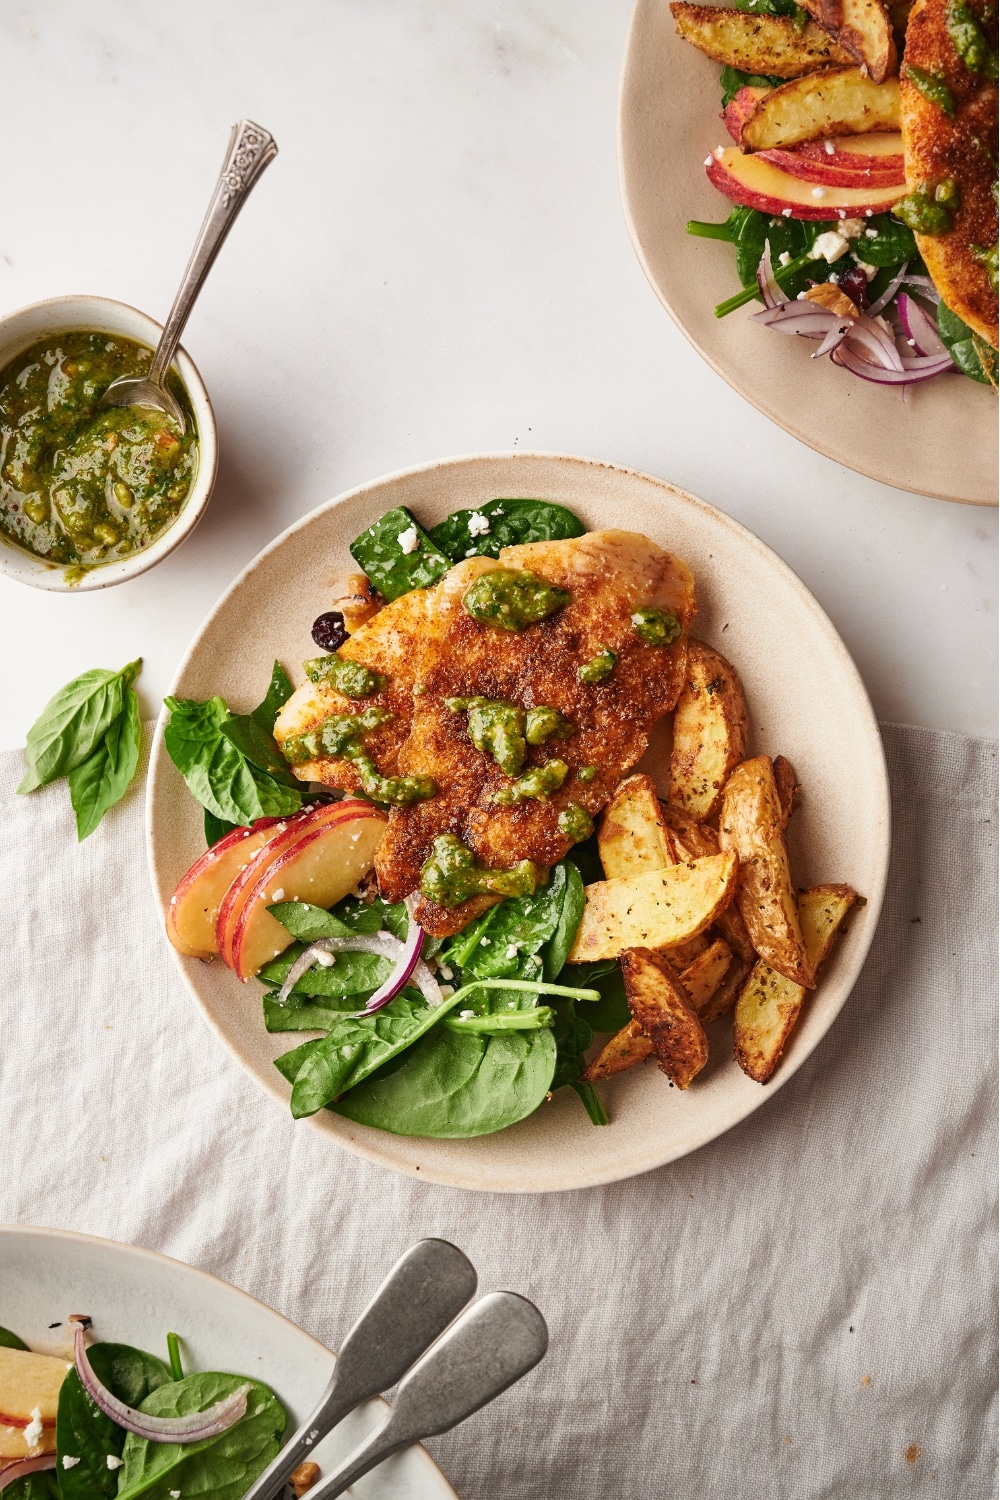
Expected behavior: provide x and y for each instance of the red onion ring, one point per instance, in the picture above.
(838, 333)
(193, 1428)
(914, 369)
(770, 291)
(25, 1466)
(405, 956)
(919, 327)
(890, 291)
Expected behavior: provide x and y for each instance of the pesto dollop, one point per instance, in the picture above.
(78, 486)
(505, 730)
(657, 627)
(350, 678)
(575, 822)
(543, 723)
(933, 87)
(539, 783)
(586, 773)
(452, 875)
(989, 257)
(513, 598)
(599, 668)
(970, 40)
(928, 209)
(343, 735)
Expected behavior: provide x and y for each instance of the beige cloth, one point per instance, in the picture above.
(802, 1309)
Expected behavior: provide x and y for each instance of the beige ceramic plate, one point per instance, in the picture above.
(806, 701)
(135, 1297)
(941, 441)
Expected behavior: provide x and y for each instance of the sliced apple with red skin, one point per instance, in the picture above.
(285, 834)
(28, 1382)
(814, 170)
(756, 183)
(883, 146)
(866, 161)
(322, 866)
(194, 907)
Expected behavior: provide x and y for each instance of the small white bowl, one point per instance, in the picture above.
(22, 328)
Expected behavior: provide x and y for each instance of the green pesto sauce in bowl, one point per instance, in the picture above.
(80, 487)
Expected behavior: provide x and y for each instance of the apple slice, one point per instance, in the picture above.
(28, 1383)
(884, 147)
(194, 906)
(759, 184)
(814, 169)
(836, 101)
(871, 160)
(323, 865)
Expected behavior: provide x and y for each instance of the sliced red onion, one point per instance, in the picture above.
(919, 327)
(890, 291)
(926, 285)
(838, 333)
(26, 1466)
(193, 1428)
(913, 371)
(769, 289)
(407, 964)
(804, 318)
(875, 336)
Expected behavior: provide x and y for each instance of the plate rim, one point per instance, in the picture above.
(142, 1252)
(787, 424)
(158, 761)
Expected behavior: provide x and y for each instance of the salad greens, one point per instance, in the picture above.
(82, 1429)
(10, 1340)
(972, 354)
(503, 523)
(91, 733)
(393, 571)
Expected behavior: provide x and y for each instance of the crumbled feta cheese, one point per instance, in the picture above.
(850, 229)
(831, 246)
(800, 297)
(279, 895)
(69, 1463)
(175, 1495)
(484, 942)
(871, 234)
(447, 990)
(114, 1462)
(869, 212)
(466, 1015)
(717, 153)
(33, 1431)
(819, 192)
(841, 213)
(708, 161)
(445, 972)
(870, 271)
(829, 147)
(324, 959)
(775, 223)
(784, 258)
(512, 950)
(786, 213)
(408, 540)
(478, 524)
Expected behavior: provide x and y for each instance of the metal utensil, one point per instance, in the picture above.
(425, 1290)
(496, 1342)
(250, 150)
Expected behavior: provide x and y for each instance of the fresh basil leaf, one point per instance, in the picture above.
(82, 1429)
(107, 774)
(217, 774)
(389, 569)
(73, 723)
(555, 952)
(454, 1087)
(219, 1468)
(10, 1340)
(350, 975)
(972, 355)
(734, 79)
(279, 690)
(258, 745)
(216, 828)
(509, 524)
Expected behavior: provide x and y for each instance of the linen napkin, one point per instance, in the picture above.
(804, 1308)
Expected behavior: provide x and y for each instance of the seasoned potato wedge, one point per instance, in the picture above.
(627, 1047)
(751, 827)
(702, 978)
(758, 44)
(656, 910)
(633, 837)
(769, 1004)
(836, 102)
(722, 1002)
(696, 839)
(862, 28)
(710, 732)
(787, 786)
(660, 1003)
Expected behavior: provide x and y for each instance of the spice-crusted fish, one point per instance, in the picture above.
(390, 644)
(963, 147)
(609, 575)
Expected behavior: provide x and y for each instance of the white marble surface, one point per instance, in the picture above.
(436, 264)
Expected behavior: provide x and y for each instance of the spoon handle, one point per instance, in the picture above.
(250, 150)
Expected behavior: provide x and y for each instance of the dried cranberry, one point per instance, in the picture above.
(854, 284)
(329, 630)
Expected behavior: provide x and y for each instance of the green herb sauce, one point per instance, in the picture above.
(575, 822)
(350, 678)
(513, 599)
(505, 730)
(988, 257)
(928, 209)
(78, 486)
(657, 627)
(970, 41)
(343, 735)
(538, 783)
(599, 668)
(933, 87)
(586, 773)
(543, 723)
(452, 875)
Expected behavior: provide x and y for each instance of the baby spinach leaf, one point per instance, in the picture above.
(41, 1486)
(558, 945)
(516, 929)
(106, 775)
(972, 355)
(219, 1468)
(302, 1014)
(308, 922)
(734, 79)
(509, 523)
(217, 774)
(453, 1086)
(352, 973)
(611, 1012)
(10, 1340)
(357, 1046)
(379, 554)
(73, 723)
(890, 245)
(573, 1035)
(82, 1429)
(289, 1063)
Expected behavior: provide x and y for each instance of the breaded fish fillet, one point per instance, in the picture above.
(391, 644)
(609, 574)
(936, 147)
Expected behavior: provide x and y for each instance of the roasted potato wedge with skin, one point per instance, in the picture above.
(757, 44)
(752, 828)
(769, 1004)
(837, 102)
(657, 910)
(702, 978)
(862, 28)
(626, 1048)
(660, 1003)
(722, 1002)
(787, 786)
(633, 837)
(710, 732)
(697, 840)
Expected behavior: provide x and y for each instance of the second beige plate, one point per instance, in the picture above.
(941, 440)
(806, 701)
